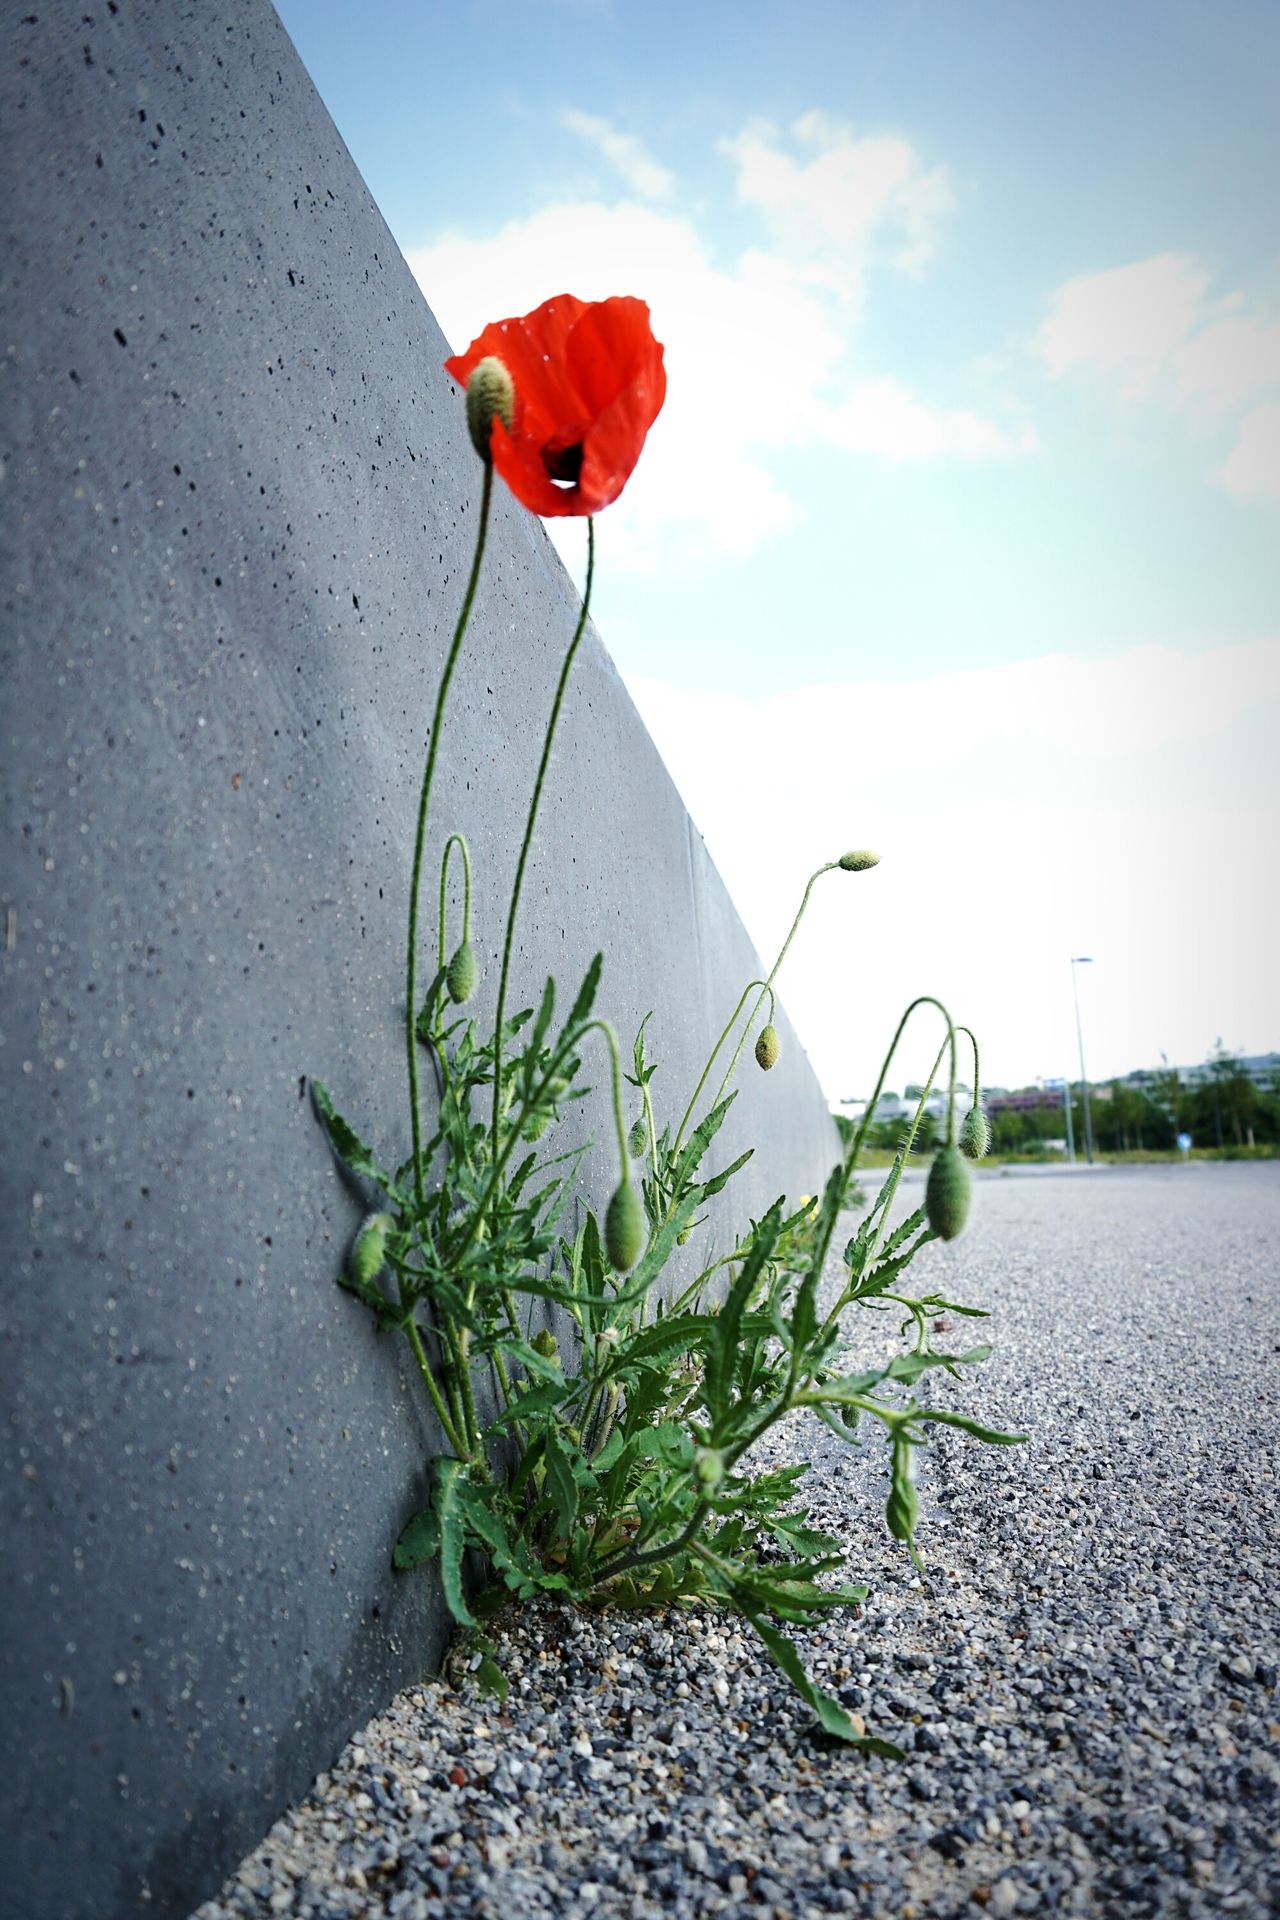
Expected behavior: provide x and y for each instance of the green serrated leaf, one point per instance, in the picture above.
(720, 1180)
(346, 1142)
(419, 1542)
(528, 1406)
(903, 1232)
(991, 1435)
(831, 1715)
(541, 1365)
(491, 1680)
(561, 1483)
(698, 1142)
(451, 1515)
(725, 1327)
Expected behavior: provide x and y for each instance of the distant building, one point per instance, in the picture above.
(1262, 1068)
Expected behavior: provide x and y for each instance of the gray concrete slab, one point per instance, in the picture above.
(239, 508)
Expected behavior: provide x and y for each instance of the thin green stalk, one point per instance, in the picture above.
(528, 832)
(424, 1367)
(632, 1562)
(900, 1162)
(455, 840)
(855, 1145)
(411, 982)
(624, 1156)
(706, 1071)
(828, 866)
(977, 1070)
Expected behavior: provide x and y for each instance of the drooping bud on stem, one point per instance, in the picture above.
(624, 1228)
(975, 1128)
(490, 394)
(946, 1193)
(638, 1139)
(858, 861)
(460, 980)
(767, 1048)
(369, 1250)
(975, 1135)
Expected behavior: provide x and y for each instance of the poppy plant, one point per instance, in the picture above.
(589, 383)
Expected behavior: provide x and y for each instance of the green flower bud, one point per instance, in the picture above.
(859, 860)
(624, 1228)
(490, 394)
(535, 1124)
(369, 1250)
(767, 1048)
(546, 1344)
(463, 974)
(975, 1135)
(946, 1193)
(638, 1139)
(708, 1467)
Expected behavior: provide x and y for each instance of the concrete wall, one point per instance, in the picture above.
(239, 504)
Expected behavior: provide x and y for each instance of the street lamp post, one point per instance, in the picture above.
(1066, 1106)
(1082, 960)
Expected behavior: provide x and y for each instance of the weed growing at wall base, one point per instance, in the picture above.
(597, 1424)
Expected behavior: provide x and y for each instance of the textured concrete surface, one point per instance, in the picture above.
(239, 507)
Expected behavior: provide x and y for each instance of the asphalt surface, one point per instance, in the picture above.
(1084, 1678)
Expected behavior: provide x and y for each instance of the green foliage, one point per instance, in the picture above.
(625, 1477)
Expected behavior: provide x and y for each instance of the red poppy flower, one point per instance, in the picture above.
(589, 383)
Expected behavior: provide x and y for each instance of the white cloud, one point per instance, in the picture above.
(758, 348)
(854, 199)
(1123, 807)
(1252, 468)
(1127, 321)
(629, 155)
(1151, 327)
(881, 417)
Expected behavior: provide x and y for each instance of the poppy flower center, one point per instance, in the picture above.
(564, 463)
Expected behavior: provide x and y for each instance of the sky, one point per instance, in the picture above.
(959, 533)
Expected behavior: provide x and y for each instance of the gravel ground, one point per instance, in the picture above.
(1084, 1678)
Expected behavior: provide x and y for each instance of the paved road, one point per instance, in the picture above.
(1085, 1678)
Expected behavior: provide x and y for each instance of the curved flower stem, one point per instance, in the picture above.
(909, 1142)
(624, 1156)
(706, 1071)
(855, 1145)
(977, 1070)
(828, 866)
(528, 834)
(428, 775)
(455, 840)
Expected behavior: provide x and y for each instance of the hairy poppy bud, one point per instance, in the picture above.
(859, 860)
(546, 1344)
(369, 1250)
(638, 1139)
(946, 1193)
(463, 974)
(767, 1048)
(535, 1124)
(708, 1466)
(490, 393)
(624, 1228)
(975, 1135)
